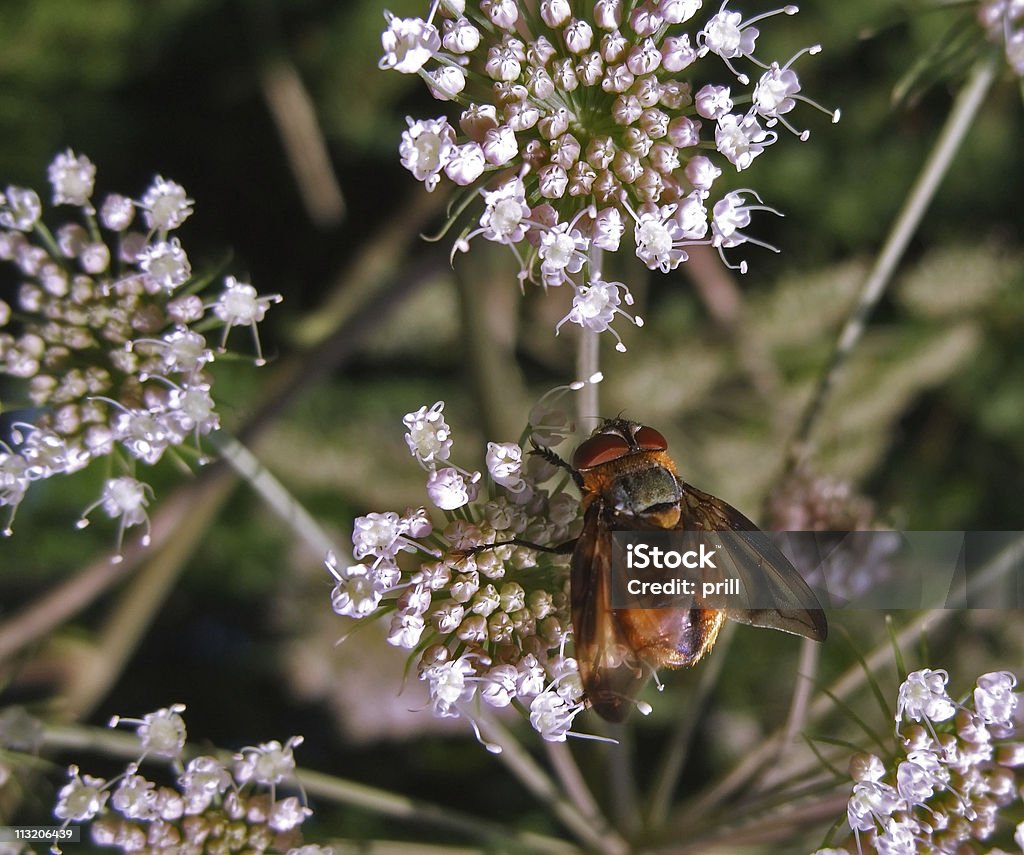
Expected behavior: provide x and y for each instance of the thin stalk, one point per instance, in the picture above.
(674, 760)
(71, 596)
(572, 781)
(810, 653)
(960, 120)
(274, 493)
(594, 832)
(623, 794)
(588, 362)
(139, 604)
(119, 744)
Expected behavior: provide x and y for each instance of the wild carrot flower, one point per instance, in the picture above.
(211, 807)
(487, 619)
(579, 123)
(103, 333)
(953, 781)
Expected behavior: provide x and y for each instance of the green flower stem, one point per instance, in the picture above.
(961, 119)
(124, 745)
(274, 493)
(591, 829)
(588, 361)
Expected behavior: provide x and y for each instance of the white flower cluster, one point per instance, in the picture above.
(955, 771)
(1003, 22)
(212, 808)
(581, 120)
(488, 619)
(103, 330)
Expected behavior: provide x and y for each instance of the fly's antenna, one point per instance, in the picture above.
(555, 460)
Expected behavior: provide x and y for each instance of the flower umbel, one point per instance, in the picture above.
(487, 619)
(955, 769)
(104, 333)
(212, 807)
(577, 117)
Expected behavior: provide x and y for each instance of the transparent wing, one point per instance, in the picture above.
(765, 573)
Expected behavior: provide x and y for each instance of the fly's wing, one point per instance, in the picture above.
(765, 573)
(610, 671)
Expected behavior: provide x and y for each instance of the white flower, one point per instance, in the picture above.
(204, 778)
(165, 205)
(658, 236)
(117, 212)
(561, 251)
(356, 594)
(268, 763)
(607, 229)
(448, 489)
(505, 214)
(165, 264)
(408, 43)
(499, 686)
(72, 178)
(82, 798)
(135, 797)
(923, 696)
(871, 801)
(448, 685)
(692, 217)
(920, 775)
(595, 305)
(701, 172)
(287, 814)
(994, 698)
(713, 102)
(725, 35)
(503, 13)
(504, 464)
(124, 499)
(773, 94)
(551, 715)
(19, 209)
(460, 36)
(426, 148)
(162, 733)
(741, 139)
(447, 82)
(379, 535)
(466, 163)
(428, 436)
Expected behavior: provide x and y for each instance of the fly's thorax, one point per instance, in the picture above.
(641, 485)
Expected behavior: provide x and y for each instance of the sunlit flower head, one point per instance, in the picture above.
(577, 120)
(487, 618)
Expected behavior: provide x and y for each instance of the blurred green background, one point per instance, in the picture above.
(238, 101)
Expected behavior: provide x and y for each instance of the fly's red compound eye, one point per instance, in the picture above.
(648, 439)
(599, 449)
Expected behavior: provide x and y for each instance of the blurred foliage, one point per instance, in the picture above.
(927, 418)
